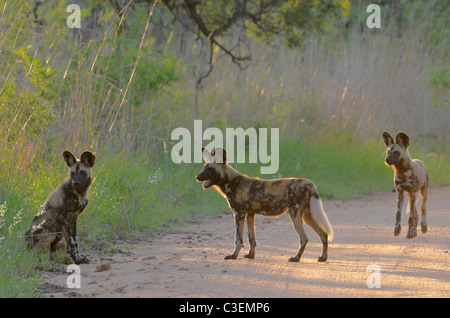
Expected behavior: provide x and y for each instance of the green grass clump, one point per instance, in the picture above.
(340, 169)
(18, 275)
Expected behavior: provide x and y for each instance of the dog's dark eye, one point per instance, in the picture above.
(83, 172)
(72, 173)
(396, 152)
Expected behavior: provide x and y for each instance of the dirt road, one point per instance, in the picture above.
(189, 262)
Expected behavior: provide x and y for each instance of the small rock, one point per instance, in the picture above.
(103, 267)
(120, 289)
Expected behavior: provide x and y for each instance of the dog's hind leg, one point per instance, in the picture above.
(321, 233)
(57, 246)
(251, 236)
(424, 194)
(295, 214)
(44, 241)
(239, 220)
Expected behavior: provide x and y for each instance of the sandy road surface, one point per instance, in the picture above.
(189, 262)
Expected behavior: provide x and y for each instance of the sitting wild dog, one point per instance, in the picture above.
(58, 216)
(410, 176)
(248, 196)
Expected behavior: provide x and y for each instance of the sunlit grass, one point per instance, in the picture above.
(331, 101)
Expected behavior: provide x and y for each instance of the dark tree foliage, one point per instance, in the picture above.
(262, 19)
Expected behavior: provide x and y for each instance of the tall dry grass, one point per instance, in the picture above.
(60, 91)
(362, 84)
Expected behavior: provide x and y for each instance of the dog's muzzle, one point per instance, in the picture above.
(206, 183)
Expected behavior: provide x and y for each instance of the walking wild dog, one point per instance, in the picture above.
(58, 216)
(410, 176)
(248, 196)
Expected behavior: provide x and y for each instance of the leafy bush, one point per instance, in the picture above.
(26, 102)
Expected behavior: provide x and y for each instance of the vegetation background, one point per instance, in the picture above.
(119, 86)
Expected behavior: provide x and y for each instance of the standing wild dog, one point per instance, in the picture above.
(248, 196)
(410, 175)
(58, 216)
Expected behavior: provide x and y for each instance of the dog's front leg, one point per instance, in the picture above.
(239, 220)
(398, 217)
(70, 234)
(251, 235)
(413, 217)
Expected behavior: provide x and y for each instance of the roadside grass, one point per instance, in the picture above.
(18, 275)
(133, 195)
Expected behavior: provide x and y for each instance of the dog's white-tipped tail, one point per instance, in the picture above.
(318, 214)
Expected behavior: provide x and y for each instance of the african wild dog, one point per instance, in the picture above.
(248, 196)
(410, 175)
(58, 216)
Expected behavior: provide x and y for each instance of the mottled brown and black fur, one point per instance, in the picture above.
(57, 217)
(248, 196)
(410, 176)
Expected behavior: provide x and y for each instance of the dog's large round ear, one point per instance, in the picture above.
(220, 155)
(88, 159)
(388, 140)
(207, 155)
(69, 158)
(402, 139)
